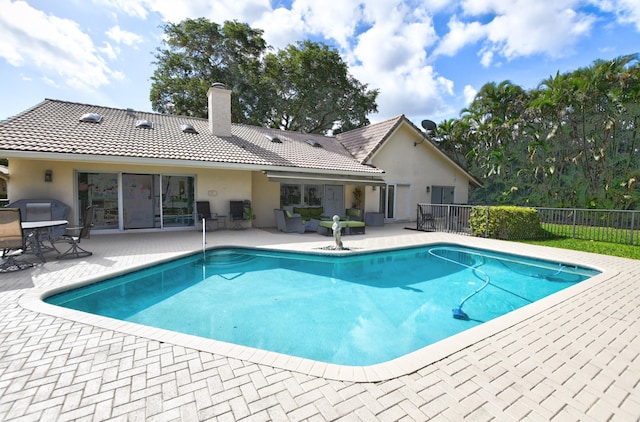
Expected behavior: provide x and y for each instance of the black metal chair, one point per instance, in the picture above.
(237, 214)
(74, 236)
(203, 209)
(426, 220)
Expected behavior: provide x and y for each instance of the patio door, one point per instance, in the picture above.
(333, 200)
(394, 200)
(138, 192)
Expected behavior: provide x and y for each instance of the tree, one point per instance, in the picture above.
(304, 87)
(572, 141)
(311, 91)
(198, 53)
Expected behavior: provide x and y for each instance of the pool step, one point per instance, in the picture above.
(227, 258)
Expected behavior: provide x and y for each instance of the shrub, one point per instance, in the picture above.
(505, 222)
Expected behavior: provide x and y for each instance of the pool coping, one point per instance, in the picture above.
(408, 363)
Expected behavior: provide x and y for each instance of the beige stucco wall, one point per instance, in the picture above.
(266, 198)
(219, 186)
(417, 167)
(27, 181)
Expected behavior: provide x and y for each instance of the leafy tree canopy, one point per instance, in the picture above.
(305, 87)
(198, 53)
(574, 141)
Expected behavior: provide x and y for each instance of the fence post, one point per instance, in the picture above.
(633, 217)
(486, 224)
(575, 213)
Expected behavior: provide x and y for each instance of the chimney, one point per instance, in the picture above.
(219, 101)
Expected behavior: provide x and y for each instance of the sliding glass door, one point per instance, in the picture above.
(137, 201)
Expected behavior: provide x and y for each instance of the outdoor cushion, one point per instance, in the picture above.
(308, 213)
(354, 214)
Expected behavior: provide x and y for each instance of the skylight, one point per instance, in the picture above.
(91, 118)
(146, 124)
(313, 143)
(187, 128)
(274, 139)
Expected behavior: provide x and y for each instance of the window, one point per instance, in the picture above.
(101, 190)
(313, 195)
(290, 195)
(301, 195)
(178, 196)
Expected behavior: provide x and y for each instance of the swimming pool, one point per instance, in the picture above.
(390, 303)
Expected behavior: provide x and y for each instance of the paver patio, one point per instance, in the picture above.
(578, 359)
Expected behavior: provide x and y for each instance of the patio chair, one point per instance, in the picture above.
(74, 235)
(289, 223)
(204, 212)
(426, 220)
(240, 211)
(12, 242)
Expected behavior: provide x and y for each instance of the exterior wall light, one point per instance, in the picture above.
(48, 176)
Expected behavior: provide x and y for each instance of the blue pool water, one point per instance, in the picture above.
(360, 309)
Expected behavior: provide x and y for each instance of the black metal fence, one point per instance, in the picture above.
(614, 226)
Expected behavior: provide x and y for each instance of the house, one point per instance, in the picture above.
(146, 170)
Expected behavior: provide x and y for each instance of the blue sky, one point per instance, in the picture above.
(427, 58)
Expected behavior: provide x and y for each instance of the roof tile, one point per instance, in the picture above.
(54, 126)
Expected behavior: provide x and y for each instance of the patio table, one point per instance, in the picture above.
(37, 228)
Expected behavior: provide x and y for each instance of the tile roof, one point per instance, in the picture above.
(363, 142)
(54, 126)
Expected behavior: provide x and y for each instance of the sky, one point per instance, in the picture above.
(427, 58)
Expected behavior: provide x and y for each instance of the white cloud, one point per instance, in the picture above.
(331, 19)
(460, 34)
(50, 82)
(627, 11)
(53, 45)
(469, 94)
(517, 28)
(121, 36)
(391, 56)
(281, 27)
(134, 8)
(109, 51)
(176, 11)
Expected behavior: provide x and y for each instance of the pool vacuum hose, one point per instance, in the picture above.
(458, 313)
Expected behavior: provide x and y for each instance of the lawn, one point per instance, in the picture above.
(604, 248)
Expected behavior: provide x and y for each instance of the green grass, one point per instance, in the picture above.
(604, 248)
(600, 234)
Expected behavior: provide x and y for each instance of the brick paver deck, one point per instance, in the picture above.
(576, 359)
